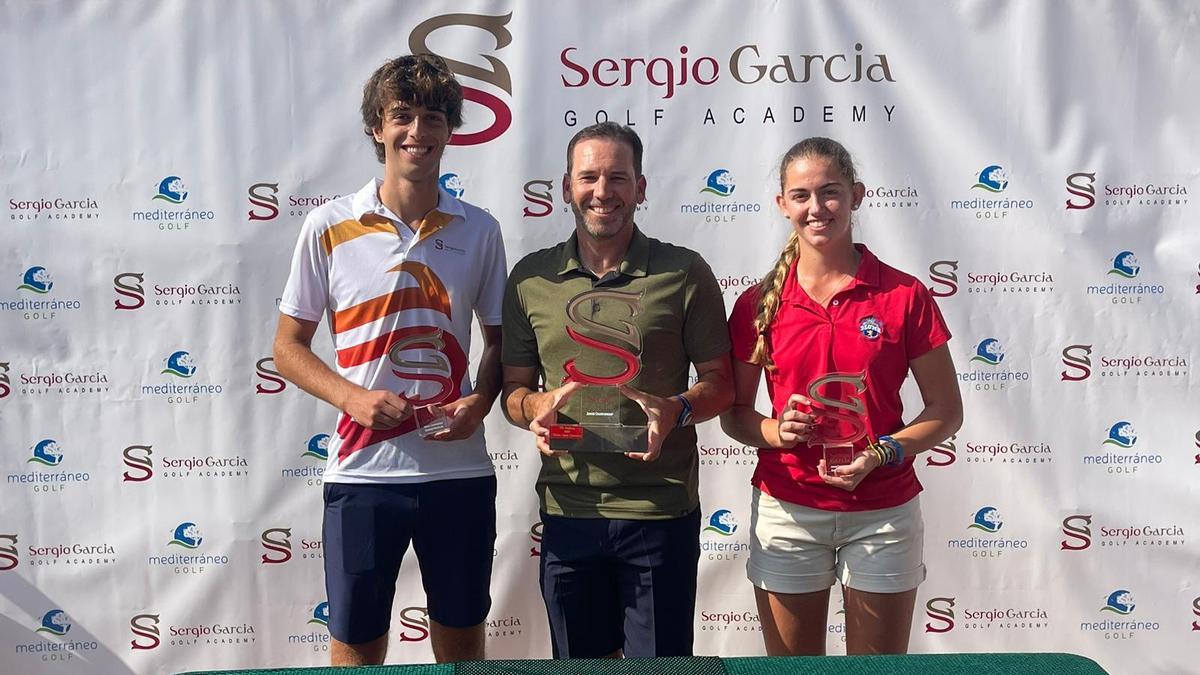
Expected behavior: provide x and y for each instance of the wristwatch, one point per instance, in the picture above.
(685, 413)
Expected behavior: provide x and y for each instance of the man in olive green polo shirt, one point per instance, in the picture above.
(620, 530)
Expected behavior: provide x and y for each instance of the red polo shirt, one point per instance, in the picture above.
(879, 322)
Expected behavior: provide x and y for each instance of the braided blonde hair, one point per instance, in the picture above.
(771, 287)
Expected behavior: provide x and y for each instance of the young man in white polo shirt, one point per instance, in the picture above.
(398, 269)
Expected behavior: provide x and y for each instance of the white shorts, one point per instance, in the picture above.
(798, 549)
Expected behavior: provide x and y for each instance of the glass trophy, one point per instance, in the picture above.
(425, 372)
(598, 417)
(840, 420)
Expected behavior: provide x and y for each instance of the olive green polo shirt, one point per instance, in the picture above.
(663, 303)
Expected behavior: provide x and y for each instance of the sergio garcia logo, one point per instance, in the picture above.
(747, 64)
(1125, 265)
(217, 635)
(131, 294)
(944, 453)
(1078, 530)
(992, 179)
(171, 192)
(37, 281)
(277, 544)
(987, 520)
(10, 555)
(56, 208)
(55, 382)
(496, 74)
(535, 536)
(187, 536)
(944, 275)
(1082, 190)
(271, 381)
(1018, 452)
(415, 624)
(146, 634)
(139, 464)
(991, 616)
(1078, 361)
(991, 353)
(720, 621)
(47, 454)
(264, 202)
(719, 183)
(891, 197)
(57, 624)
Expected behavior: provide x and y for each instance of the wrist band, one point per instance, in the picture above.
(897, 450)
(685, 413)
(524, 414)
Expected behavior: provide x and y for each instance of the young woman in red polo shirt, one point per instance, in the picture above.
(836, 331)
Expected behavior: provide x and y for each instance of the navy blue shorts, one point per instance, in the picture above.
(620, 584)
(367, 527)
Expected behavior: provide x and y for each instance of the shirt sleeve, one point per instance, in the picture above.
(705, 331)
(518, 345)
(924, 329)
(306, 294)
(489, 301)
(741, 324)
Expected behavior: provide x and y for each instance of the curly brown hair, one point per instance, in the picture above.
(417, 79)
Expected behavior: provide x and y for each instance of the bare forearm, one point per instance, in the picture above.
(487, 376)
(302, 367)
(935, 424)
(710, 396)
(521, 403)
(746, 425)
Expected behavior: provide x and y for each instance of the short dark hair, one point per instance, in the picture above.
(613, 132)
(416, 79)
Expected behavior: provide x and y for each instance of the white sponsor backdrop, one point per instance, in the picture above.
(1061, 516)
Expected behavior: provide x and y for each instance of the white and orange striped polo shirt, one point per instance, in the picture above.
(399, 306)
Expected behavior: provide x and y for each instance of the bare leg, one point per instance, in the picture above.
(456, 644)
(793, 624)
(878, 623)
(361, 654)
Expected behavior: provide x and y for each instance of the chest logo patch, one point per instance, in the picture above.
(870, 328)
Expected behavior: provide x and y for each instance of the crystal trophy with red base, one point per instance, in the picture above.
(420, 362)
(840, 420)
(598, 417)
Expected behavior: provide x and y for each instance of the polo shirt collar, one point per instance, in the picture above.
(366, 201)
(868, 268)
(636, 262)
(866, 275)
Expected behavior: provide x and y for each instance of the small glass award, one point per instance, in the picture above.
(431, 419)
(840, 421)
(598, 417)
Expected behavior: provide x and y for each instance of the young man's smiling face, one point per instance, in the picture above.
(413, 138)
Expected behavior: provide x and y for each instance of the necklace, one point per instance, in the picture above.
(841, 282)
(838, 284)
